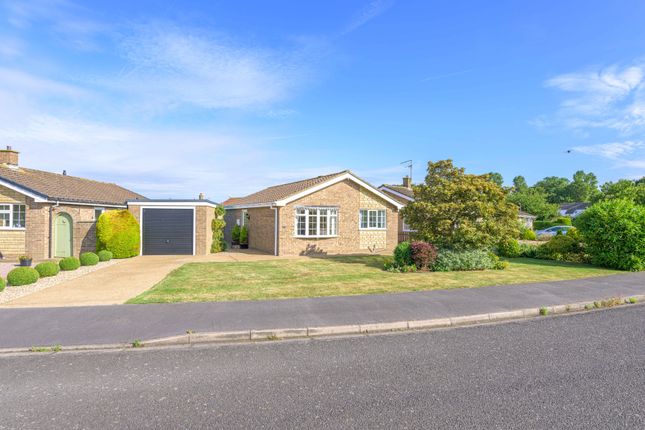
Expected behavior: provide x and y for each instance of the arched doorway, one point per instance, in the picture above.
(63, 235)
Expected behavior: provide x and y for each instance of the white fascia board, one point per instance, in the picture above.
(170, 204)
(39, 198)
(336, 180)
(396, 193)
(254, 205)
(96, 205)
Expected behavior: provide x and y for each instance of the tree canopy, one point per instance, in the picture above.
(461, 211)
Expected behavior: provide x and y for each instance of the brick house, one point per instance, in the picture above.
(49, 215)
(331, 214)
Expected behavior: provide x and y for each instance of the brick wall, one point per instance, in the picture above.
(262, 229)
(12, 242)
(203, 231)
(349, 197)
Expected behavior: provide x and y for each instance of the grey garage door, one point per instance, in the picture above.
(167, 231)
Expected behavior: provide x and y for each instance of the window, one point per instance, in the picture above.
(244, 220)
(316, 221)
(12, 216)
(372, 219)
(97, 213)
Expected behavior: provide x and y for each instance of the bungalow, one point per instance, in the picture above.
(573, 209)
(48, 215)
(337, 213)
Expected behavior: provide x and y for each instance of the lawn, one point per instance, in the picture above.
(337, 276)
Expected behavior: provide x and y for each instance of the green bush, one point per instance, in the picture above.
(104, 255)
(528, 250)
(118, 232)
(614, 234)
(2, 284)
(403, 254)
(449, 261)
(217, 226)
(527, 234)
(423, 254)
(22, 276)
(562, 220)
(244, 235)
(89, 259)
(509, 247)
(69, 263)
(47, 268)
(563, 247)
(235, 234)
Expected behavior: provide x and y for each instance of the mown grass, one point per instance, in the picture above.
(337, 276)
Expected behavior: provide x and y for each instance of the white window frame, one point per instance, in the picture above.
(376, 215)
(96, 218)
(329, 216)
(10, 212)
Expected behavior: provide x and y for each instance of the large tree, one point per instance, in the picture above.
(534, 201)
(583, 188)
(554, 188)
(519, 184)
(462, 211)
(496, 178)
(623, 189)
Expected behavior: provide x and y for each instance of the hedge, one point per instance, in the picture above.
(104, 255)
(614, 234)
(541, 225)
(89, 259)
(22, 276)
(47, 268)
(69, 263)
(448, 261)
(118, 232)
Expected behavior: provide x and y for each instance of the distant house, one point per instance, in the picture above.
(337, 213)
(51, 215)
(573, 209)
(404, 194)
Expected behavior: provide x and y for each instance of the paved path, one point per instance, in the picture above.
(125, 323)
(119, 283)
(581, 371)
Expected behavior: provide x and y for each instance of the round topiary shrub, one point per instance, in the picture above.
(528, 234)
(104, 255)
(69, 263)
(22, 276)
(2, 284)
(47, 268)
(89, 259)
(509, 247)
(118, 232)
(403, 255)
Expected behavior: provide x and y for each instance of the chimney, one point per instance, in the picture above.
(9, 157)
(407, 182)
(64, 172)
(201, 196)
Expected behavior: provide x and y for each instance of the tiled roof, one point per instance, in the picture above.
(279, 192)
(570, 208)
(400, 189)
(54, 186)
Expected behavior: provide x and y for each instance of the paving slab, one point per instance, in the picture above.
(24, 327)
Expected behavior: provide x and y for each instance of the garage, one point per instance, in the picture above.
(167, 231)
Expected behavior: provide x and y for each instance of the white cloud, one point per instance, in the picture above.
(373, 9)
(612, 151)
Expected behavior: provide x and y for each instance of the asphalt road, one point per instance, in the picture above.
(576, 371)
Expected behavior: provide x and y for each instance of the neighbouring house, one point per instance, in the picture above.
(331, 214)
(404, 194)
(49, 215)
(573, 209)
(527, 219)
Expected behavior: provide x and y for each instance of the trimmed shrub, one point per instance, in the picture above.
(423, 254)
(104, 255)
(562, 220)
(614, 234)
(217, 226)
(509, 247)
(89, 259)
(403, 254)
(448, 261)
(244, 235)
(527, 234)
(2, 284)
(69, 263)
(528, 250)
(47, 268)
(22, 276)
(118, 232)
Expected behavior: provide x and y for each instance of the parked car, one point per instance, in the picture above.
(552, 231)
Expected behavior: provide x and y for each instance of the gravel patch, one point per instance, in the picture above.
(12, 293)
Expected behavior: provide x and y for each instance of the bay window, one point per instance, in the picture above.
(372, 219)
(12, 216)
(313, 221)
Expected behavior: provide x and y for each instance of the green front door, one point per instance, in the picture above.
(63, 235)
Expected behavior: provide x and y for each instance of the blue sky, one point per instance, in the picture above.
(176, 98)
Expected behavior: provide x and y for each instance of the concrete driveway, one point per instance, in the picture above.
(120, 282)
